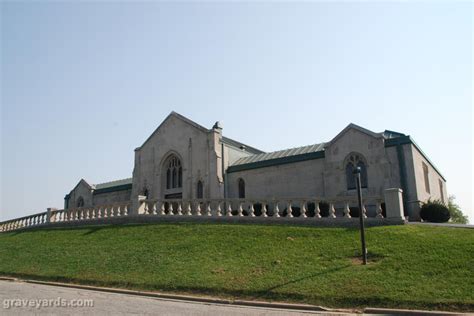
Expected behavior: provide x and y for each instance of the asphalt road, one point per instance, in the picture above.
(18, 298)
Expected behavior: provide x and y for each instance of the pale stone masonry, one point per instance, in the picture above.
(184, 160)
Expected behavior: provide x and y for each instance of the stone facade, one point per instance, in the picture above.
(183, 160)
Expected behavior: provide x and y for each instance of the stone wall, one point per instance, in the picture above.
(112, 197)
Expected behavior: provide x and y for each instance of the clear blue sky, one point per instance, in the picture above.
(83, 84)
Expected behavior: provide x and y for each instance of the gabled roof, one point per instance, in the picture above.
(80, 181)
(112, 186)
(358, 128)
(180, 117)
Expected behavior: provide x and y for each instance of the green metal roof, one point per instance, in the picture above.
(111, 184)
(279, 157)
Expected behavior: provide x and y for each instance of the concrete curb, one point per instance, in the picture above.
(181, 297)
(212, 300)
(388, 311)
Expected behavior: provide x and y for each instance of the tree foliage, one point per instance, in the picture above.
(457, 215)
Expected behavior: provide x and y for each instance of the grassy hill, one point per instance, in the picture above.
(409, 266)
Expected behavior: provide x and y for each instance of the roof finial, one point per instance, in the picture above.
(217, 125)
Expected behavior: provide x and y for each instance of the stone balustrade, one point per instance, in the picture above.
(70, 215)
(26, 221)
(279, 208)
(384, 210)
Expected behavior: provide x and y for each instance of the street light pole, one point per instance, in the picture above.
(361, 215)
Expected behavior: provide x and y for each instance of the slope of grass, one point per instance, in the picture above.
(410, 266)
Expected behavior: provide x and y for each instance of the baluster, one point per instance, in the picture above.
(276, 211)
(180, 210)
(364, 211)
(170, 208)
(188, 209)
(289, 210)
(264, 209)
(219, 210)
(198, 209)
(347, 210)
(100, 212)
(88, 213)
(251, 210)
(163, 208)
(208, 209)
(125, 210)
(106, 212)
(303, 209)
(317, 210)
(146, 207)
(379, 210)
(332, 211)
(229, 209)
(112, 211)
(241, 210)
(154, 208)
(93, 213)
(119, 210)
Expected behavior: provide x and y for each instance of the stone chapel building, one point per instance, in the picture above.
(182, 159)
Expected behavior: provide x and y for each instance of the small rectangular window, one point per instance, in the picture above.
(441, 190)
(426, 176)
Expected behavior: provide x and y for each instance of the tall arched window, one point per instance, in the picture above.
(199, 192)
(174, 173)
(354, 161)
(241, 188)
(80, 202)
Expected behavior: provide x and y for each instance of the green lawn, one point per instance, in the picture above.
(410, 266)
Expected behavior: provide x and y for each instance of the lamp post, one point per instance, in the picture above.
(361, 214)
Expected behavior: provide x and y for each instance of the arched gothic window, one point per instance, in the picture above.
(241, 188)
(80, 202)
(354, 161)
(200, 192)
(174, 173)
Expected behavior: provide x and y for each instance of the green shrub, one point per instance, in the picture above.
(434, 211)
